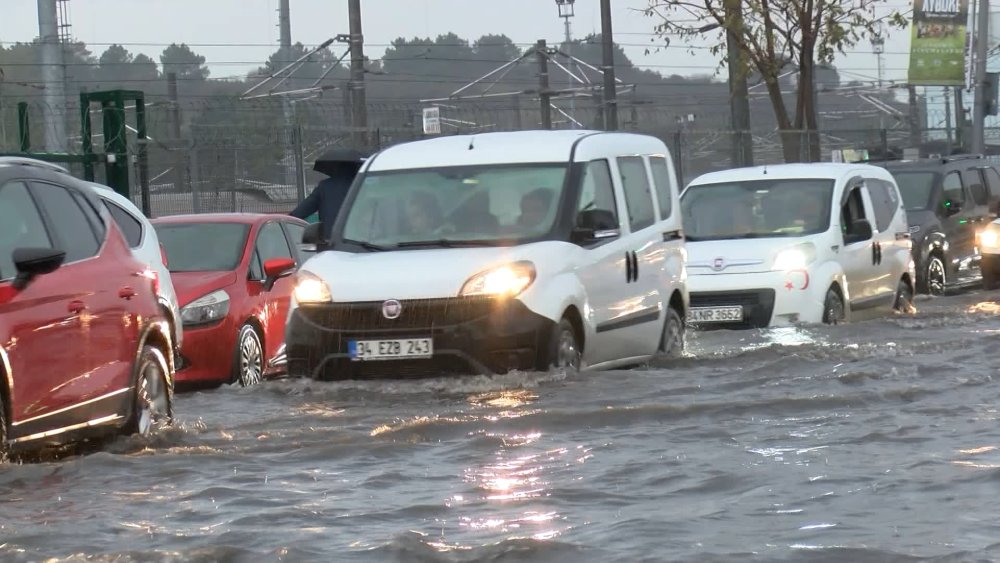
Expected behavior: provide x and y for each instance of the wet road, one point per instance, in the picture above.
(873, 441)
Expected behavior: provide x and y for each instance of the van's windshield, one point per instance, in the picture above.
(478, 205)
(757, 209)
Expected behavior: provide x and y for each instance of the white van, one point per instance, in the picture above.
(795, 243)
(497, 251)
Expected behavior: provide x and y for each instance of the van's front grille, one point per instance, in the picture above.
(414, 313)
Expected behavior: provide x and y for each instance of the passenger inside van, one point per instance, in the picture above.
(423, 214)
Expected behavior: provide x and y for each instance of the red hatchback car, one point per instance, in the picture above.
(84, 347)
(232, 273)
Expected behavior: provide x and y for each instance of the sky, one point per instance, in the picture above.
(236, 36)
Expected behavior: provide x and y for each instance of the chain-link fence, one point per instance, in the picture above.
(224, 154)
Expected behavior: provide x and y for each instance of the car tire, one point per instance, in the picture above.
(834, 311)
(672, 339)
(152, 409)
(904, 298)
(988, 268)
(248, 362)
(564, 347)
(935, 275)
(3, 429)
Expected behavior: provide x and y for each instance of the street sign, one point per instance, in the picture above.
(432, 121)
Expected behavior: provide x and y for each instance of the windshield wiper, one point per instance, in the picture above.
(445, 242)
(367, 245)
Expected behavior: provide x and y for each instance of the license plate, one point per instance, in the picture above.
(400, 348)
(732, 313)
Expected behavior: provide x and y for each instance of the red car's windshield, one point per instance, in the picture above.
(203, 247)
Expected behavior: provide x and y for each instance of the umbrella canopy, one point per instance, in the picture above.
(339, 160)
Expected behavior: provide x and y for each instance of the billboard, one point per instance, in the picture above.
(937, 42)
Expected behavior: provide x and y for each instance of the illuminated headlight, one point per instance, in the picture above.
(795, 258)
(309, 288)
(207, 309)
(508, 280)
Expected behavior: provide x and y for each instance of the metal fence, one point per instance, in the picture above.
(225, 154)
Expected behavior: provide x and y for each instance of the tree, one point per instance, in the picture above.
(114, 65)
(186, 63)
(144, 68)
(773, 36)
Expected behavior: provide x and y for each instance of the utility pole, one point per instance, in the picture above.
(978, 141)
(359, 107)
(543, 84)
(961, 120)
(947, 116)
(54, 96)
(739, 102)
(285, 41)
(608, 68)
(914, 115)
(180, 160)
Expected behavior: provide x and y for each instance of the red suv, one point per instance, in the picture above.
(84, 348)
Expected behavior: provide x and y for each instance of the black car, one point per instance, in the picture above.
(948, 200)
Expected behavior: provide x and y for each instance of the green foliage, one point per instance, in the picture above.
(186, 63)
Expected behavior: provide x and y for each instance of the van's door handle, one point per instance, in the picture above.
(628, 267)
(126, 293)
(76, 306)
(670, 236)
(635, 266)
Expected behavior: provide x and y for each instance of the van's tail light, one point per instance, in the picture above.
(163, 255)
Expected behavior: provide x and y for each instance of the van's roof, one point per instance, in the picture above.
(494, 148)
(831, 170)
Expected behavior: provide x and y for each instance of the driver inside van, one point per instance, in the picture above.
(534, 208)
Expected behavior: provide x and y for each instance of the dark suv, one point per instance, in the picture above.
(948, 200)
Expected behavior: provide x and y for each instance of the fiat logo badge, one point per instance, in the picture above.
(719, 264)
(391, 309)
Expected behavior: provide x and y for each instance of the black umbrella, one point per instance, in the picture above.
(339, 160)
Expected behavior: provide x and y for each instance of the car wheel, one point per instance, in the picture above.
(564, 348)
(935, 275)
(672, 341)
(249, 365)
(904, 298)
(3, 430)
(152, 408)
(833, 307)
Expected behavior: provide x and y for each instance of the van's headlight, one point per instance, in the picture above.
(310, 288)
(989, 237)
(206, 309)
(507, 280)
(795, 258)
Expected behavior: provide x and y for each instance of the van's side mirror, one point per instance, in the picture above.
(951, 207)
(313, 237)
(860, 231)
(33, 262)
(594, 225)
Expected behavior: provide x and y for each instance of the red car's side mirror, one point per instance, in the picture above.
(277, 268)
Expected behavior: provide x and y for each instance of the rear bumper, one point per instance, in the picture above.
(469, 336)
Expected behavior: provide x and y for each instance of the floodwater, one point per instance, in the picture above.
(873, 441)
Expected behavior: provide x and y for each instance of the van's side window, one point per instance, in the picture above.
(853, 210)
(638, 196)
(977, 187)
(953, 188)
(885, 202)
(661, 178)
(597, 208)
(993, 181)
